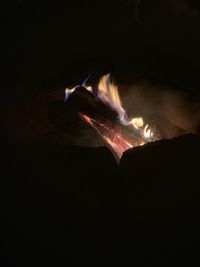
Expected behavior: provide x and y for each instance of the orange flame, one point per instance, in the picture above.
(108, 93)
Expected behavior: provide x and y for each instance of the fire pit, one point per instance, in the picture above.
(104, 112)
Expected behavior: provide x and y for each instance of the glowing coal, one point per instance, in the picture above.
(109, 118)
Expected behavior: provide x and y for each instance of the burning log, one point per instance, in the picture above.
(104, 119)
(88, 103)
(101, 108)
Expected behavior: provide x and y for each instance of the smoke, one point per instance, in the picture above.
(169, 109)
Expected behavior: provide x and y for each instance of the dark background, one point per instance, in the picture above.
(54, 206)
(45, 44)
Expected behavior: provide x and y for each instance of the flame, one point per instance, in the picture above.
(115, 139)
(137, 122)
(108, 93)
(147, 132)
(68, 92)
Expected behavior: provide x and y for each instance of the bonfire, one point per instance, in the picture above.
(109, 118)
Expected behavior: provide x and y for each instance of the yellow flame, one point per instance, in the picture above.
(108, 92)
(89, 88)
(137, 122)
(68, 91)
(147, 132)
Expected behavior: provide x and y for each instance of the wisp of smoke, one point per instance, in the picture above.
(169, 108)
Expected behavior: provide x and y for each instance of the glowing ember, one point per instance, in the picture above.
(128, 133)
(117, 142)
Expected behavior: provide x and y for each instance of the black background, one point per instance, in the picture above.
(75, 204)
